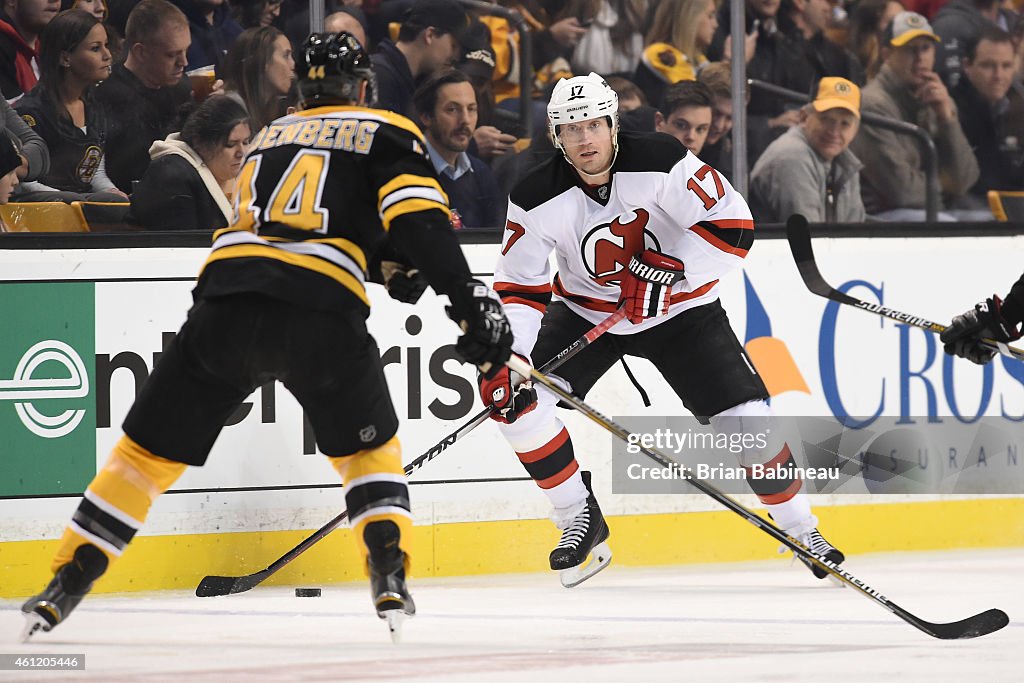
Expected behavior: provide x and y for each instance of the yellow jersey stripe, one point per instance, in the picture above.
(411, 205)
(313, 263)
(348, 246)
(407, 180)
(396, 120)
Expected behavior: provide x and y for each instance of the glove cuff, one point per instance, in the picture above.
(1007, 330)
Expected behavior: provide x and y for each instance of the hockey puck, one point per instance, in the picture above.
(307, 592)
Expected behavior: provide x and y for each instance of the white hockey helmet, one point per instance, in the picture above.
(581, 98)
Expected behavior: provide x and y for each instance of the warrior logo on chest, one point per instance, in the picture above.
(607, 248)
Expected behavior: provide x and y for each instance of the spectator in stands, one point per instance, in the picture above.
(810, 169)
(991, 106)
(32, 152)
(771, 57)
(213, 32)
(344, 19)
(258, 73)
(118, 11)
(447, 110)
(497, 128)
(614, 41)
(428, 42)
(804, 22)
(908, 89)
(685, 114)
(681, 31)
(97, 8)
(867, 22)
(557, 28)
(190, 182)
(143, 95)
(960, 22)
(631, 97)
(10, 162)
(21, 23)
(73, 58)
(255, 13)
(717, 150)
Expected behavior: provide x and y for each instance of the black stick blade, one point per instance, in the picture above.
(972, 627)
(799, 236)
(214, 586)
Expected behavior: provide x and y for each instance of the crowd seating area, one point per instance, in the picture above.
(92, 150)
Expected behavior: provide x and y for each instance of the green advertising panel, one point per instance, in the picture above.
(47, 393)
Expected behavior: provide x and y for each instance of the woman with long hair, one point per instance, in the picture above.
(259, 72)
(679, 33)
(73, 58)
(191, 179)
(866, 24)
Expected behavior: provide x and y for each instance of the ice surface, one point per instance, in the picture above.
(765, 621)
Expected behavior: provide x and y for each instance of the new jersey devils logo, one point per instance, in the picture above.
(606, 249)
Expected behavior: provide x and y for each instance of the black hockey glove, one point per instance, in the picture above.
(984, 321)
(403, 283)
(487, 342)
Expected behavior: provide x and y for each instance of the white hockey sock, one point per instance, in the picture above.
(794, 516)
(568, 500)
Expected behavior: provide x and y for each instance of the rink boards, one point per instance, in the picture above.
(81, 328)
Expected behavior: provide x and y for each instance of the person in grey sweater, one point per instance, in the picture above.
(810, 170)
(908, 89)
(35, 157)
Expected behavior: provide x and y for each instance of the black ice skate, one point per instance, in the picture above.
(70, 584)
(390, 594)
(813, 540)
(582, 551)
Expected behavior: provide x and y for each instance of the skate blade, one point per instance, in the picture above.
(395, 618)
(599, 558)
(33, 623)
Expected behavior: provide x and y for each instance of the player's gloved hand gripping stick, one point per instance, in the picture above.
(647, 285)
(982, 324)
(977, 625)
(226, 585)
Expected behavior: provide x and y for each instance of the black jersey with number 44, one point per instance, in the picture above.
(315, 199)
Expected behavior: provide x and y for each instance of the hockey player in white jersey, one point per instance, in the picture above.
(634, 221)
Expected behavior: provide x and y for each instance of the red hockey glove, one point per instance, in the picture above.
(647, 285)
(509, 394)
(984, 321)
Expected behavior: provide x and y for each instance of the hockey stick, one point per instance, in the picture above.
(212, 586)
(799, 236)
(971, 627)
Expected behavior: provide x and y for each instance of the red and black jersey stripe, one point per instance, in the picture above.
(775, 491)
(733, 236)
(552, 463)
(534, 296)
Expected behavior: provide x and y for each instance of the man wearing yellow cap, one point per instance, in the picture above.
(810, 170)
(908, 89)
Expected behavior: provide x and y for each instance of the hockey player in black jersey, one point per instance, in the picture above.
(635, 221)
(324, 194)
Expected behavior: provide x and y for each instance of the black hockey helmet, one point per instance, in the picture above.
(332, 68)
